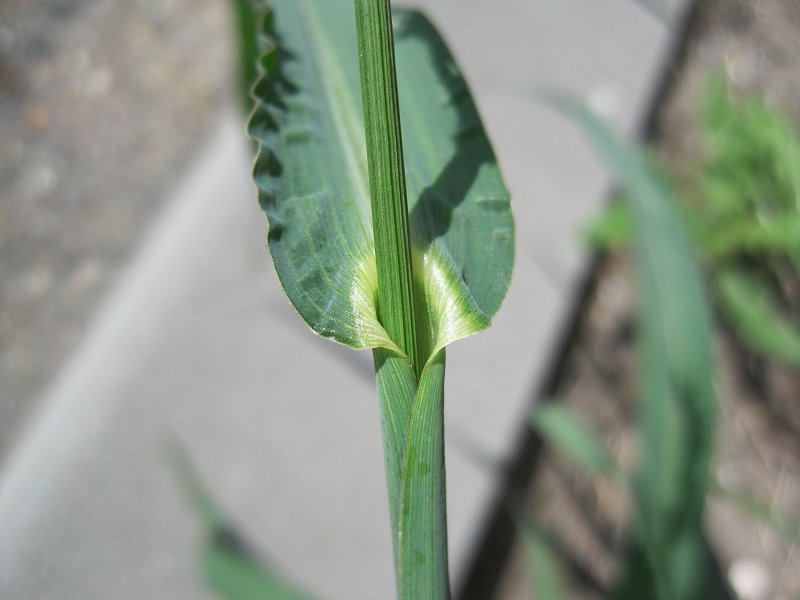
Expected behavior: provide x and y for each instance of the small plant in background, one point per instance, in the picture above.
(667, 554)
(742, 210)
(676, 405)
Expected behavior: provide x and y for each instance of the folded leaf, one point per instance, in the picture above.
(312, 178)
(750, 236)
(573, 438)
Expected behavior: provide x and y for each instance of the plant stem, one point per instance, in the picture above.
(387, 180)
(412, 396)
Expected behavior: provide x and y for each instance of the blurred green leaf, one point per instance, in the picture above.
(229, 566)
(747, 220)
(565, 432)
(234, 574)
(611, 228)
(543, 565)
(743, 214)
(311, 172)
(752, 163)
(753, 310)
(676, 399)
(754, 238)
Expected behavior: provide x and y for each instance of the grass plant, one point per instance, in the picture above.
(742, 211)
(398, 239)
(676, 408)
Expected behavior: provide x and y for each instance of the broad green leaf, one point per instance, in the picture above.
(229, 566)
(755, 314)
(676, 406)
(313, 183)
(562, 429)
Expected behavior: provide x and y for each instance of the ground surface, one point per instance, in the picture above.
(757, 44)
(102, 106)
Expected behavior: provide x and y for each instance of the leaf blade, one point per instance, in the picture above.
(544, 570)
(573, 438)
(229, 566)
(677, 404)
(757, 319)
(319, 234)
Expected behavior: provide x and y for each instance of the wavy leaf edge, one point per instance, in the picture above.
(451, 311)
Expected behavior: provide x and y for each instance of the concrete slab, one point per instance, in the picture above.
(199, 343)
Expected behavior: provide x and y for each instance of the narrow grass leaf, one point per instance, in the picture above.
(753, 158)
(749, 237)
(677, 406)
(756, 317)
(611, 228)
(229, 566)
(543, 565)
(570, 436)
(234, 574)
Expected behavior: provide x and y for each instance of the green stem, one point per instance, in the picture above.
(411, 395)
(387, 182)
